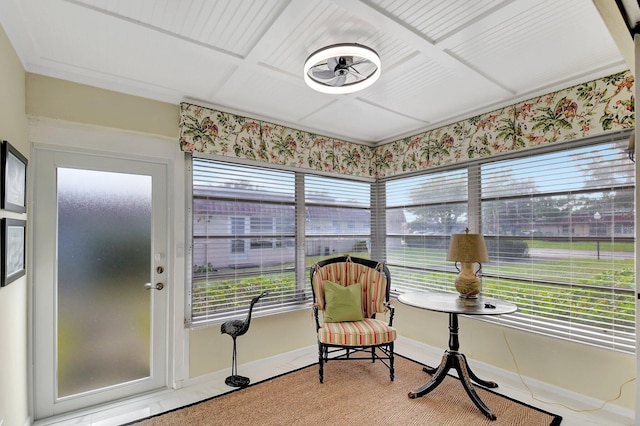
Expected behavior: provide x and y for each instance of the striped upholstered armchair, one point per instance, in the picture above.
(348, 292)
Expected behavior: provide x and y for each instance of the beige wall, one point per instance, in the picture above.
(63, 100)
(593, 372)
(13, 298)
(267, 336)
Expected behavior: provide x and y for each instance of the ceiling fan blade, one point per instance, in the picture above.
(363, 61)
(332, 63)
(356, 75)
(322, 74)
(340, 80)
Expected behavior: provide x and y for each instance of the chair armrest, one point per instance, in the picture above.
(392, 312)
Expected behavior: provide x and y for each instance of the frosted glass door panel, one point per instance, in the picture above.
(104, 261)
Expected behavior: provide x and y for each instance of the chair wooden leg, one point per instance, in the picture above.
(392, 371)
(321, 356)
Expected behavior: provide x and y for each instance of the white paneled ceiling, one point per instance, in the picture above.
(442, 60)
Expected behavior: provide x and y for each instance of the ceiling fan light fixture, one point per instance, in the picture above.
(342, 68)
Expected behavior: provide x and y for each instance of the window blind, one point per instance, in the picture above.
(337, 218)
(560, 230)
(559, 223)
(243, 239)
(421, 213)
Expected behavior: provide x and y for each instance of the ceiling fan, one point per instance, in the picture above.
(342, 68)
(337, 71)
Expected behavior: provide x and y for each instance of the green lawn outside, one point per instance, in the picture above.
(230, 292)
(532, 298)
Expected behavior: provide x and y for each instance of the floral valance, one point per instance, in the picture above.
(588, 109)
(221, 133)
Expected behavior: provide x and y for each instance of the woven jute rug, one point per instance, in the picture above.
(353, 393)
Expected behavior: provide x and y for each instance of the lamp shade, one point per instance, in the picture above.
(467, 248)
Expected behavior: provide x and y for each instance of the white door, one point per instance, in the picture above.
(99, 279)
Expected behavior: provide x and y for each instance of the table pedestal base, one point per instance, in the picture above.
(454, 305)
(456, 360)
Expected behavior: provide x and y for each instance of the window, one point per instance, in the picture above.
(559, 223)
(421, 212)
(560, 234)
(245, 247)
(559, 228)
(237, 246)
(337, 217)
(246, 234)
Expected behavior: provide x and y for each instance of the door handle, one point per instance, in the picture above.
(158, 286)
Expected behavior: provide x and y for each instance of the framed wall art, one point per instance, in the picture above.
(14, 179)
(14, 236)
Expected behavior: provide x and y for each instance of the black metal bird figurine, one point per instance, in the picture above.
(236, 328)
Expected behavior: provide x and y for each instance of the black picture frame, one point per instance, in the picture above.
(13, 234)
(14, 179)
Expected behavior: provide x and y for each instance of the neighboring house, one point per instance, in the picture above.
(248, 234)
(605, 224)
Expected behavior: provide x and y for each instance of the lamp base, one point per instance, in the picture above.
(467, 283)
(469, 296)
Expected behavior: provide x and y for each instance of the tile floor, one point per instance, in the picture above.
(213, 384)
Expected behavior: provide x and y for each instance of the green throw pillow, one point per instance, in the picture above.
(342, 303)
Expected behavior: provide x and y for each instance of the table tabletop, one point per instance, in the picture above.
(452, 303)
